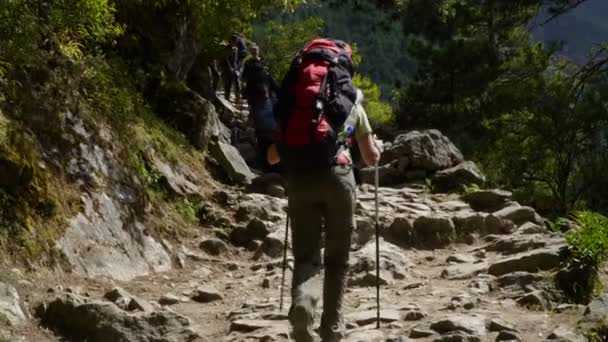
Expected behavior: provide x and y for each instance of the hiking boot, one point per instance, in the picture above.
(302, 320)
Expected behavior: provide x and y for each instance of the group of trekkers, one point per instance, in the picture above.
(244, 64)
(309, 124)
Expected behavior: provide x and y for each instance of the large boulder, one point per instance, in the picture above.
(533, 261)
(519, 214)
(10, 309)
(488, 200)
(393, 265)
(434, 231)
(79, 318)
(231, 162)
(424, 150)
(458, 176)
(192, 114)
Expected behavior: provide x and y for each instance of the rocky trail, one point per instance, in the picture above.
(474, 267)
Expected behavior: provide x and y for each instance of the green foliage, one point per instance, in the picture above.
(587, 252)
(33, 204)
(28, 28)
(589, 243)
(280, 42)
(555, 144)
(380, 113)
(376, 31)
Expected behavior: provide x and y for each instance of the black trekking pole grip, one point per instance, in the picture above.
(284, 259)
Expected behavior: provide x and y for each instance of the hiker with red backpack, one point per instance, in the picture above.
(320, 116)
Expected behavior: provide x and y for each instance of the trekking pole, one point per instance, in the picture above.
(284, 259)
(376, 176)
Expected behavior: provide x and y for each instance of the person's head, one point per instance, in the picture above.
(254, 50)
(234, 38)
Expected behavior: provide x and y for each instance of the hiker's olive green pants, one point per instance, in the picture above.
(320, 201)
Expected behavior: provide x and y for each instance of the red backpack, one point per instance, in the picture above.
(316, 97)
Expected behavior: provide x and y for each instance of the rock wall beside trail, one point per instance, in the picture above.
(110, 235)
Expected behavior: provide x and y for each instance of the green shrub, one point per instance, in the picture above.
(380, 113)
(587, 251)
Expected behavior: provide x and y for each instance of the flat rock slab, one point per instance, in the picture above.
(365, 336)
(206, 294)
(367, 317)
(473, 325)
(533, 261)
(250, 325)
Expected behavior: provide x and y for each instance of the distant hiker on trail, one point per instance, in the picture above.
(320, 115)
(236, 51)
(260, 90)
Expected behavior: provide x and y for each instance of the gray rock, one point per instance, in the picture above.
(262, 184)
(365, 336)
(508, 336)
(240, 236)
(275, 190)
(258, 229)
(169, 299)
(273, 246)
(414, 315)
(519, 215)
(126, 301)
(537, 300)
(416, 333)
(426, 150)
(226, 109)
(460, 259)
(470, 223)
(206, 294)
(487, 200)
(364, 232)
(178, 181)
(513, 244)
(566, 335)
(250, 325)
(458, 176)
(531, 228)
(473, 325)
(464, 271)
(498, 325)
(482, 284)
(532, 261)
(401, 231)
(434, 231)
(458, 337)
(388, 174)
(105, 240)
(231, 162)
(521, 279)
(10, 309)
(497, 225)
(366, 317)
(79, 319)
(597, 310)
(213, 246)
(393, 265)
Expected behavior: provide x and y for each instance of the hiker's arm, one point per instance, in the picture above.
(369, 151)
(273, 155)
